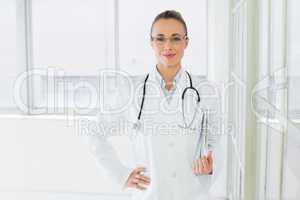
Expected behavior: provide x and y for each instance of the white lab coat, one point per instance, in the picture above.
(160, 145)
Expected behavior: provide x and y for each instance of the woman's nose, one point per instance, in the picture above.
(168, 44)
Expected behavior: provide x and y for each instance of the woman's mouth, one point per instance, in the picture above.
(169, 56)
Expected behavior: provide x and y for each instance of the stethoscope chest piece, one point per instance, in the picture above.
(136, 125)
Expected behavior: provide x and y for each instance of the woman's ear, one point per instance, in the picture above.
(187, 42)
(151, 42)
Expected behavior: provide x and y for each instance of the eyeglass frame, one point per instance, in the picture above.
(184, 37)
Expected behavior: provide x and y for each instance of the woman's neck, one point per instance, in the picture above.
(168, 72)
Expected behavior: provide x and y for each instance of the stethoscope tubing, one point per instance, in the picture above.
(191, 87)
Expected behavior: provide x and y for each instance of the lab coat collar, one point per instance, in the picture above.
(180, 79)
(162, 82)
(182, 82)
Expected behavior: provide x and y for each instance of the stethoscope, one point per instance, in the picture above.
(201, 143)
(185, 125)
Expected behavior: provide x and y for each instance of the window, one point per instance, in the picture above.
(278, 126)
(70, 34)
(293, 58)
(82, 38)
(71, 41)
(291, 173)
(9, 64)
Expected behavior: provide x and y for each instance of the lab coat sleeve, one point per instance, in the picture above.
(102, 149)
(107, 158)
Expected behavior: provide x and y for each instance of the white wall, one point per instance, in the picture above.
(48, 157)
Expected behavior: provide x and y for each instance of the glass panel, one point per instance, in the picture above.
(293, 58)
(291, 175)
(71, 34)
(71, 42)
(8, 53)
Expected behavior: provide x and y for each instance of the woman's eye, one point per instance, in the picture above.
(160, 39)
(176, 39)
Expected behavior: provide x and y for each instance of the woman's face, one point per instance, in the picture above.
(168, 42)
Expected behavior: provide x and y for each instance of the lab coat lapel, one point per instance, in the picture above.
(176, 102)
(174, 107)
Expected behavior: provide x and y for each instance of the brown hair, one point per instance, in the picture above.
(169, 14)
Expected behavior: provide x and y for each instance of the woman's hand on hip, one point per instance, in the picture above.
(137, 180)
(204, 165)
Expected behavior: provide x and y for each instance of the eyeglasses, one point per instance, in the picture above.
(174, 40)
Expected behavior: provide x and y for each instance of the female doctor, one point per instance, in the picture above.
(172, 144)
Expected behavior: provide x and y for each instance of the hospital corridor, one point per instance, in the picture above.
(149, 100)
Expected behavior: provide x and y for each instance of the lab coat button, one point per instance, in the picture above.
(171, 144)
